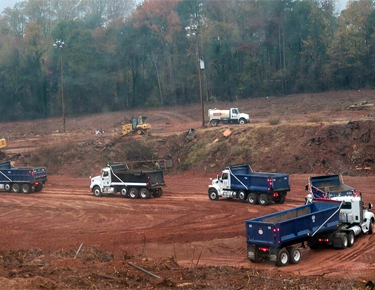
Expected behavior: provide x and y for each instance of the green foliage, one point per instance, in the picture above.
(118, 57)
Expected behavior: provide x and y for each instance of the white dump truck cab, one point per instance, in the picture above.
(103, 181)
(221, 185)
(354, 212)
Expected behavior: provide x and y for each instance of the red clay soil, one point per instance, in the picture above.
(182, 237)
(187, 240)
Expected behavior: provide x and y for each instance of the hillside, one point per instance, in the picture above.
(313, 133)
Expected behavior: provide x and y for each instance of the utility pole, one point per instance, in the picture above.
(192, 30)
(60, 45)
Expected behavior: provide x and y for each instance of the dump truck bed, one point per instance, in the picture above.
(330, 186)
(293, 225)
(21, 174)
(268, 182)
(122, 174)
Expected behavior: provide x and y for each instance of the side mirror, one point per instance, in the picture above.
(370, 206)
(306, 187)
(309, 199)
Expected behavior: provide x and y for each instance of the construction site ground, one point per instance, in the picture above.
(65, 238)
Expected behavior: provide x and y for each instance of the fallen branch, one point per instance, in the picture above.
(80, 247)
(199, 257)
(144, 271)
(312, 167)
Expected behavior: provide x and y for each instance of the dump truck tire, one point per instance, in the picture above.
(294, 255)
(133, 193)
(25, 188)
(124, 192)
(282, 257)
(212, 194)
(96, 191)
(7, 187)
(263, 199)
(252, 198)
(157, 192)
(144, 193)
(39, 187)
(16, 188)
(242, 196)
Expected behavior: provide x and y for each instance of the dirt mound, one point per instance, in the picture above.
(294, 148)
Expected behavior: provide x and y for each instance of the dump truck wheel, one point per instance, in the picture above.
(157, 192)
(295, 255)
(242, 196)
(16, 188)
(252, 198)
(212, 194)
(263, 199)
(133, 193)
(25, 188)
(344, 239)
(282, 258)
(7, 187)
(242, 121)
(371, 228)
(144, 193)
(39, 187)
(351, 239)
(124, 191)
(96, 191)
(280, 199)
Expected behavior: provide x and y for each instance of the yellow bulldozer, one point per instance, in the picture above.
(3, 144)
(137, 125)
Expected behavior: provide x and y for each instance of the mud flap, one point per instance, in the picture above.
(337, 242)
(273, 254)
(251, 252)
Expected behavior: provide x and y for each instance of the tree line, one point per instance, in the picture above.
(119, 55)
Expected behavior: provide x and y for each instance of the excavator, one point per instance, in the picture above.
(137, 125)
(3, 144)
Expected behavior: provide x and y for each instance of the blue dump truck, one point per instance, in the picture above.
(22, 179)
(328, 186)
(278, 237)
(239, 181)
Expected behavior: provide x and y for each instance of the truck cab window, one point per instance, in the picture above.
(224, 176)
(105, 173)
(234, 111)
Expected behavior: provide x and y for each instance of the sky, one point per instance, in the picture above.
(10, 3)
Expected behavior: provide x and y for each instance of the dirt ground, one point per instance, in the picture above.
(65, 238)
